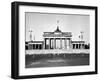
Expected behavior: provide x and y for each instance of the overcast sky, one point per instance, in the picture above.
(46, 22)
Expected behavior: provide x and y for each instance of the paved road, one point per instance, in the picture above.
(57, 62)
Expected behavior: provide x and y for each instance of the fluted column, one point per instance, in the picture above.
(60, 43)
(65, 43)
(54, 43)
(81, 46)
(70, 44)
(75, 46)
(49, 43)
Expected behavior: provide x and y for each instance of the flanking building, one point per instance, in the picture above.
(56, 40)
(33, 45)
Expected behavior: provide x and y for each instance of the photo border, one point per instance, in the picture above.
(15, 39)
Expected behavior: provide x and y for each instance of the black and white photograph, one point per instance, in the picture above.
(51, 40)
(54, 40)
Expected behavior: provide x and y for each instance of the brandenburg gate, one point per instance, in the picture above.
(57, 40)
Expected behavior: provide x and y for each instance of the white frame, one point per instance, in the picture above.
(49, 70)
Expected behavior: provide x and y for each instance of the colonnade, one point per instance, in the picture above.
(51, 43)
(78, 46)
(34, 46)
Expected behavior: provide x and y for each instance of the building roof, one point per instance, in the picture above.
(57, 33)
(78, 41)
(31, 42)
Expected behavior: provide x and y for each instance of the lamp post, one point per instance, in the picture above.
(30, 35)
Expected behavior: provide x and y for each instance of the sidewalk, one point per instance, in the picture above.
(57, 51)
